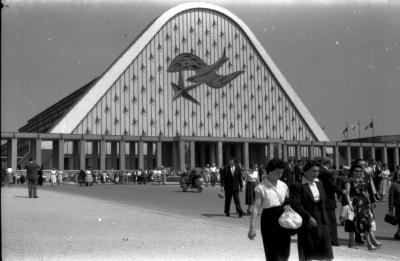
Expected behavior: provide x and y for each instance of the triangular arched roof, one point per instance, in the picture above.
(78, 112)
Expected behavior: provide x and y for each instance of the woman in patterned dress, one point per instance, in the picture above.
(358, 199)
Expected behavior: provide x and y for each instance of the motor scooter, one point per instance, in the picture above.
(187, 182)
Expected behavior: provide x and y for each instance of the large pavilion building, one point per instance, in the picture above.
(195, 88)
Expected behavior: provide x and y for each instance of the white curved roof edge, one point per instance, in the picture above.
(71, 120)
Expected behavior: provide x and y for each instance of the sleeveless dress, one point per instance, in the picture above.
(362, 207)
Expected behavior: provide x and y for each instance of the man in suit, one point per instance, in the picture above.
(288, 173)
(32, 177)
(329, 182)
(232, 183)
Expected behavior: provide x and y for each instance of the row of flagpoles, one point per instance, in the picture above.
(354, 127)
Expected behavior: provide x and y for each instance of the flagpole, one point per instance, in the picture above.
(373, 132)
(359, 131)
(347, 127)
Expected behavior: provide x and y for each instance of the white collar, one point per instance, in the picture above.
(306, 181)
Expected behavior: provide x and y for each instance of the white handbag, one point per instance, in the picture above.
(290, 219)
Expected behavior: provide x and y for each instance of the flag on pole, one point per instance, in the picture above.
(370, 125)
(353, 127)
(346, 130)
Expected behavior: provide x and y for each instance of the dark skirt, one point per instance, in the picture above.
(314, 242)
(276, 240)
(250, 194)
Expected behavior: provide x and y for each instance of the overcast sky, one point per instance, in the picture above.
(341, 57)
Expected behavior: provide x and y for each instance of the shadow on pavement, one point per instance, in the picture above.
(187, 191)
(21, 197)
(214, 215)
(387, 238)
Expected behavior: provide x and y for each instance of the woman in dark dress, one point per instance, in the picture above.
(308, 199)
(359, 203)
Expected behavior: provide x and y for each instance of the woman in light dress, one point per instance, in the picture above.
(59, 178)
(53, 177)
(89, 177)
(385, 181)
(251, 183)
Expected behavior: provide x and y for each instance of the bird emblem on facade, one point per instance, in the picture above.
(204, 73)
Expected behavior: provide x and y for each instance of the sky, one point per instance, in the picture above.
(341, 57)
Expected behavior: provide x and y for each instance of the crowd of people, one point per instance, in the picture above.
(311, 189)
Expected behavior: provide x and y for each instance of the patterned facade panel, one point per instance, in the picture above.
(220, 88)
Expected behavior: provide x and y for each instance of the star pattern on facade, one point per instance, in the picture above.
(169, 123)
(88, 131)
(107, 132)
(152, 63)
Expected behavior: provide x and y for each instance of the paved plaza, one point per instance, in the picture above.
(137, 222)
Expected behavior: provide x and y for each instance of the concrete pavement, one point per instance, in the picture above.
(60, 226)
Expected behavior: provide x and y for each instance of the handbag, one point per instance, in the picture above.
(350, 215)
(391, 219)
(290, 219)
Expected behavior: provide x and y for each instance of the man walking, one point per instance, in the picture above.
(32, 177)
(232, 183)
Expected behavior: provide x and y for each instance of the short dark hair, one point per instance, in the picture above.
(355, 166)
(274, 164)
(30, 159)
(309, 164)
